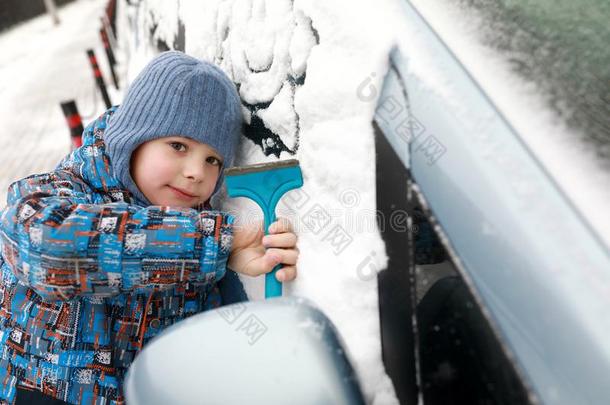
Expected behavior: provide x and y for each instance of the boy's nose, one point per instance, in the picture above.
(194, 171)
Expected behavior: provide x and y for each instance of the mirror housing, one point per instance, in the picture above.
(278, 351)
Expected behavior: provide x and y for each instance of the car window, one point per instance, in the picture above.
(562, 46)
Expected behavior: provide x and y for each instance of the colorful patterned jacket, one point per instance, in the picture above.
(88, 278)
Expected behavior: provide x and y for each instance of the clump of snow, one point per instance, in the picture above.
(280, 117)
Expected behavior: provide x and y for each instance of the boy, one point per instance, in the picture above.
(120, 242)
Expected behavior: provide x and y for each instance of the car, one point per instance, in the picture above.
(514, 311)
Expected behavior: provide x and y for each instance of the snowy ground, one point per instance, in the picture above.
(42, 65)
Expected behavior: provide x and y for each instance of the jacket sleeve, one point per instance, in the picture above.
(63, 246)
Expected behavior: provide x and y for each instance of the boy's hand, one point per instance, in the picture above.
(249, 256)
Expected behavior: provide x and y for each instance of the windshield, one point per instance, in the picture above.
(561, 45)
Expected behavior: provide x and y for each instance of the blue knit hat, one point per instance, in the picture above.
(175, 94)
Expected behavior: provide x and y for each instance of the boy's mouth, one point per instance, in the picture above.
(180, 193)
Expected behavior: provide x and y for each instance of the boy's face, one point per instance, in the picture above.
(176, 171)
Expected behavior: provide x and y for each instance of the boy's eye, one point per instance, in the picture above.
(214, 161)
(180, 147)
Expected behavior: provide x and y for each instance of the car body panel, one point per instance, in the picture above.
(540, 272)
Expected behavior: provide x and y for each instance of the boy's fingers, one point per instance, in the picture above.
(271, 258)
(285, 256)
(263, 265)
(287, 273)
(282, 240)
(281, 225)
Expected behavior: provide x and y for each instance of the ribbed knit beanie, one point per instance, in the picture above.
(174, 95)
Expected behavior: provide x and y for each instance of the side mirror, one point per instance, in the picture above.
(278, 351)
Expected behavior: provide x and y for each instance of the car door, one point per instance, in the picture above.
(512, 313)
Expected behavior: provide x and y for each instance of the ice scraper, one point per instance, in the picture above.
(265, 184)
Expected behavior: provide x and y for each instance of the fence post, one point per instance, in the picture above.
(109, 56)
(111, 14)
(98, 77)
(109, 32)
(74, 122)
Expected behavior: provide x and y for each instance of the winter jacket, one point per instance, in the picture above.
(88, 277)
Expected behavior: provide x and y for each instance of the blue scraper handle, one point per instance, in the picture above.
(265, 184)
